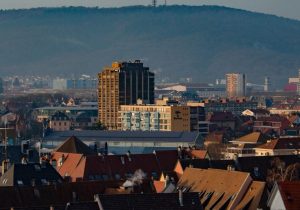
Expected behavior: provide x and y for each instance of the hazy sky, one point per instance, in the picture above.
(286, 8)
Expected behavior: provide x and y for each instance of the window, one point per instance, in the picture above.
(44, 181)
(256, 171)
(105, 176)
(20, 182)
(117, 176)
(154, 175)
(37, 168)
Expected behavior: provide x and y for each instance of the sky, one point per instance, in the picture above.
(284, 8)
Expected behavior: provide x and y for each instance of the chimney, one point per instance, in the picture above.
(74, 197)
(61, 160)
(129, 156)
(97, 200)
(180, 197)
(167, 180)
(122, 160)
(24, 160)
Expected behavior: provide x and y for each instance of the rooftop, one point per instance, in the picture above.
(74, 145)
(138, 136)
(30, 174)
(161, 201)
(290, 193)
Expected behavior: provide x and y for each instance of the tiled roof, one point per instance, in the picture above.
(161, 201)
(282, 143)
(197, 153)
(59, 116)
(30, 174)
(57, 195)
(214, 187)
(159, 186)
(74, 145)
(94, 167)
(257, 166)
(290, 193)
(271, 144)
(205, 163)
(252, 196)
(254, 137)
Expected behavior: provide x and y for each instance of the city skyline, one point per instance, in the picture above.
(274, 7)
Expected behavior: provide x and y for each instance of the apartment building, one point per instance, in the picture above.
(154, 118)
(122, 84)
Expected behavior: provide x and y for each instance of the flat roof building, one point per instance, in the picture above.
(120, 142)
(154, 118)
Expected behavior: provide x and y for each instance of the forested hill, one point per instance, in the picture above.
(201, 42)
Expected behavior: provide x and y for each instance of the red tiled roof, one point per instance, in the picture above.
(197, 153)
(282, 143)
(89, 167)
(290, 193)
(159, 186)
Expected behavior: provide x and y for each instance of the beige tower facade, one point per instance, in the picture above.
(235, 85)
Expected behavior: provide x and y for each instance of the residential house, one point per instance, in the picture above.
(256, 113)
(285, 196)
(63, 195)
(60, 122)
(217, 192)
(77, 162)
(244, 146)
(30, 174)
(273, 125)
(280, 146)
(162, 201)
(223, 119)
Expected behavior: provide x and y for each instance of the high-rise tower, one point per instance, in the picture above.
(236, 85)
(122, 84)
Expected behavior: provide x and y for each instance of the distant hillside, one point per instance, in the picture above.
(176, 41)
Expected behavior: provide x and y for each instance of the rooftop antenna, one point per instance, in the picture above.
(154, 2)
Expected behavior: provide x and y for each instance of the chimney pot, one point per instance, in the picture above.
(180, 197)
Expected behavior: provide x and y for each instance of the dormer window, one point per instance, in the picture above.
(20, 183)
(44, 181)
(37, 168)
(256, 171)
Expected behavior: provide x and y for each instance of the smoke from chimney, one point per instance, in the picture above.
(136, 179)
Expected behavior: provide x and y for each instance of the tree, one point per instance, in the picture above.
(280, 172)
